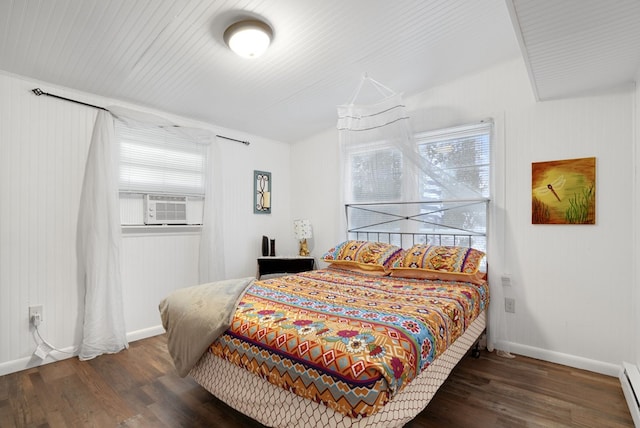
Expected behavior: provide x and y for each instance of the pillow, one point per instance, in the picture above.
(364, 254)
(441, 258)
(478, 278)
(374, 270)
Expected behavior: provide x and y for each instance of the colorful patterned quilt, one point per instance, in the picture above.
(348, 340)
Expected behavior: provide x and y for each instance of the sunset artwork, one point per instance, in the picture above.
(564, 191)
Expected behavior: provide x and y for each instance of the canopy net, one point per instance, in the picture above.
(388, 177)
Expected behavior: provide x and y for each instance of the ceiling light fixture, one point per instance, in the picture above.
(249, 38)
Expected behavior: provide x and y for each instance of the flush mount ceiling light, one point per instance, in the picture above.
(249, 38)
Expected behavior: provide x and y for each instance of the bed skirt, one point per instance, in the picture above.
(277, 407)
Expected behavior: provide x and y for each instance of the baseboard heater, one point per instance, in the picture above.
(630, 381)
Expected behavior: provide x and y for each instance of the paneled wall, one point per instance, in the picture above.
(153, 265)
(43, 148)
(573, 285)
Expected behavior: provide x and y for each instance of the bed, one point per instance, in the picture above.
(365, 342)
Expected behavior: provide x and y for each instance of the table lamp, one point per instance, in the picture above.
(302, 231)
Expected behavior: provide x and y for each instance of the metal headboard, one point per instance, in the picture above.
(409, 223)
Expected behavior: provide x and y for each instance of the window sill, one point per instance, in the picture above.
(177, 229)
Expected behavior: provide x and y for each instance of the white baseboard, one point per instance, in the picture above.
(560, 358)
(145, 333)
(33, 361)
(69, 352)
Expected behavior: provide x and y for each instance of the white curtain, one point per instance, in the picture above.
(211, 239)
(99, 245)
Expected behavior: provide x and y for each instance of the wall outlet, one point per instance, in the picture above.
(35, 311)
(510, 305)
(506, 280)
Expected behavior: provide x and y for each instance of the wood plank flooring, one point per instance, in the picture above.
(140, 388)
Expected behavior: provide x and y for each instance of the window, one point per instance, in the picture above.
(463, 155)
(376, 174)
(447, 170)
(160, 169)
(154, 160)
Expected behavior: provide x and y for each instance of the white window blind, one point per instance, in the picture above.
(156, 160)
(375, 174)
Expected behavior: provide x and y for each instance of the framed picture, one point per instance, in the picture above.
(563, 191)
(261, 192)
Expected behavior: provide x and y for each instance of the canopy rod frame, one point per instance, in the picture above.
(39, 92)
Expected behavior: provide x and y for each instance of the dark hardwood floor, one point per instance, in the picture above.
(140, 388)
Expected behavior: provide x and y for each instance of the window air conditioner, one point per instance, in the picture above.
(161, 209)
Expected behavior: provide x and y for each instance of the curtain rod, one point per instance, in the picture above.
(246, 143)
(39, 92)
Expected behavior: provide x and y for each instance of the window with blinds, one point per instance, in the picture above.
(377, 175)
(462, 153)
(156, 161)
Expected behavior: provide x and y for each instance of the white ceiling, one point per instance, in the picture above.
(169, 54)
(578, 47)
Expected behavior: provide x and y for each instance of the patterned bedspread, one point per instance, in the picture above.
(348, 340)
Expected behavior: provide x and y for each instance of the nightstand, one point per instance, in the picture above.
(293, 264)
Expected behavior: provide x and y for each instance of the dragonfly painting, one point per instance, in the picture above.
(563, 192)
(553, 188)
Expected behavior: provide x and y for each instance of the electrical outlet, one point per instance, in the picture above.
(510, 305)
(506, 280)
(33, 311)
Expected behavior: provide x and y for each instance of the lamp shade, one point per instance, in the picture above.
(302, 229)
(249, 38)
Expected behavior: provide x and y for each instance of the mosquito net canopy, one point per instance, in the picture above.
(382, 164)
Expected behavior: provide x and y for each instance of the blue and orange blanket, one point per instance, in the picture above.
(346, 339)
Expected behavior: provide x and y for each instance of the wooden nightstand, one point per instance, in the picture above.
(294, 264)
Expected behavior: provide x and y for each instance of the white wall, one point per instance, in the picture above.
(572, 284)
(314, 188)
(43, 148)
(42, 155)
(243, 228)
